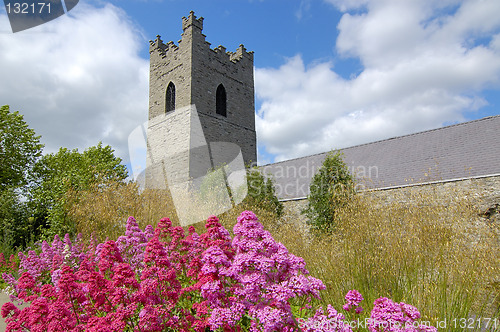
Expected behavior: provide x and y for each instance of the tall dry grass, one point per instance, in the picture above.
(102, 211)
(428, 249)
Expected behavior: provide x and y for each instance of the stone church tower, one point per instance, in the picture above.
(201, 106)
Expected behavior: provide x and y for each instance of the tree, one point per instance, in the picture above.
(258, 191)
(19, 149)
(55, 175)
(16, 225)
(330, 189)
(261, 192)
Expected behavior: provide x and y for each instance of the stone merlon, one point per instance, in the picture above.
(191, 20)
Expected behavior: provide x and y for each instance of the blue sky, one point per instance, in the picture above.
(328, 73)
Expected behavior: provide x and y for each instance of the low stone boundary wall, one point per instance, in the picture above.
(485, 191)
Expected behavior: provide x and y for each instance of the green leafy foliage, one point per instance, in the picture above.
(16, 225)
(19, 149)
(56, 174)
(258, 191)
(331, 188)
(261, 192)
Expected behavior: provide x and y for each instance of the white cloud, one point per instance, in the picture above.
(424, 64)
(77, 79)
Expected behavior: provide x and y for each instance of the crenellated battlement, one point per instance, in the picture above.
(191, 20)
(159, 46)
(241, 52)
(189, 40)
(163, 49)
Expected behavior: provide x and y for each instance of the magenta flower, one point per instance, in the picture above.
(331, 322)
(132, 245)
(9, 309)
(353, 298)
(390, 316)
(262, 275)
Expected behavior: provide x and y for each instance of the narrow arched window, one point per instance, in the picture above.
(220, 100)
(170, 98)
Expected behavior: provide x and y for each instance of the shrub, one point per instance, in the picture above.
(261, 192)
(17, 227)
(331, 188)
(69, 170)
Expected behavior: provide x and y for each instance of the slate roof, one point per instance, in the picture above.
(465, 150)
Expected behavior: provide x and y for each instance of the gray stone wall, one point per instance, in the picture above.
(234, 70)
(169, 63)
(169, 142)
(484, 191)
(216, 130)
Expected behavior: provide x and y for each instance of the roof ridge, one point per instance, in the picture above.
(424, 131)
(391, 138)
(298, 158)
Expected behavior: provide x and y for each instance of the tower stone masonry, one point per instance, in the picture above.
(196, 88)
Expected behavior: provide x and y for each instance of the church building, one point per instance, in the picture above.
(201, 108)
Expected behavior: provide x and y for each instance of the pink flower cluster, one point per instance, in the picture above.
(257, 279)
(333, 321)
(10, 265)
(390, 316)
(353, 298)
(161, 279)
(386, 316)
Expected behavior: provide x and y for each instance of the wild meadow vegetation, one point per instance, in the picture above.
(429, 248)
(432, 254)
(350, 262)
